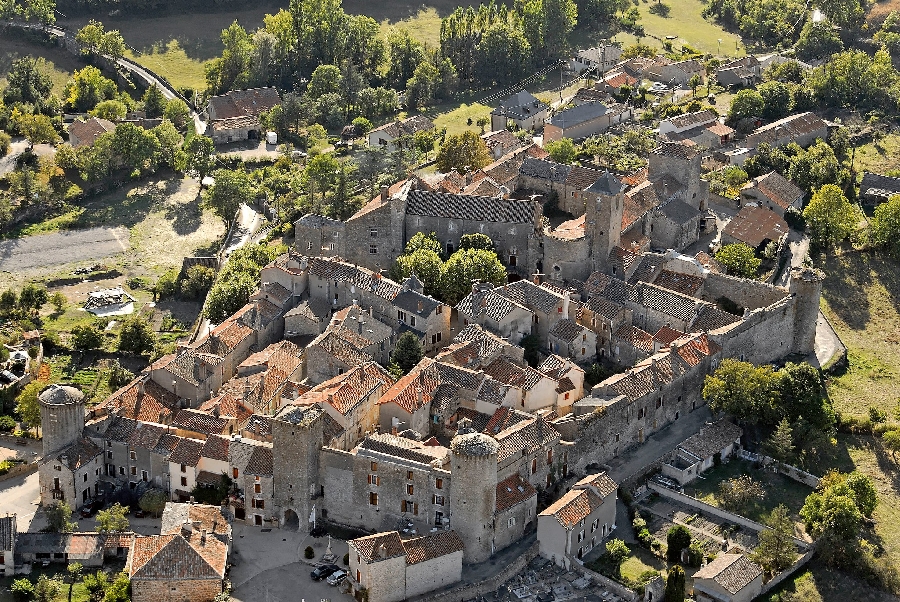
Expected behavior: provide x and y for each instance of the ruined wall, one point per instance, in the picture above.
(749, 294)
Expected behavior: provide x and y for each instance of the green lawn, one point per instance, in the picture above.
(880, 157)
(425, 26)
(688, 25)
(54, 61)
(456, 119)
(172, 62)
(861, 298)
(779, 490)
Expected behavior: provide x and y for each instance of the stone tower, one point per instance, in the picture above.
(62, 417)
(297, 434)
(806, 288)
(473, 498)
(604, 204)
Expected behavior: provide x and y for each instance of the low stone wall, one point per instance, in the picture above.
(780, 577)
(616, 587)
(18, 470)
(468, 591)
(792, 472)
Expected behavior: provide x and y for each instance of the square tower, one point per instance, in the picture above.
(605, 203)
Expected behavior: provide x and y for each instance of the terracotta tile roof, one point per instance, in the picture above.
(172, 557)
(523, 377)
(261, 462)
(89, 130)
(617, 80)
(733, 572)
(187, 452)
(166, 444)
(666, 335)
(513, 490)
(82, 452)
(636, 337)
(693, 348)
(237, 103)
(777, 188)
(155, 404)
(259, 425)
(601, 482)
(215, 448)
(793, 126)
(381, 546)
(346, 391)
(414, 390)
(501, 138)
(686, 284)
(199, 422)
(707, 261)
(228, 335)
(648, 268)
(429, 547)
(756, 225)
(572, 229)
(720, 129)
(573, 507)
(689, 120)
(226, 405)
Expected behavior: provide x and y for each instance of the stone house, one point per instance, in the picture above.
(612, 82)
(698, 452)
(199, 516)
(71, 474)
(523, 109)
(501, 142)
(489, 308)
(629, 345)
(602, 58)
(331, 354)
(317, 235)
(570, 339)
(534, 390)
(7, 545)
(755, 227)
(235, 115)
(184, 466)
(252, 471)
(570, 379)
(389, 135)
(407, 403)
(876, 188)
(802, 128)
(85, 133)
(578, 521)
(701, 127)
(309, 318)
(728, 578)
(774, 192)
(391, 569)
(372, 336)
(516, 510)
(742, 72)
(678, 74)
(187, 566)
(585, 120)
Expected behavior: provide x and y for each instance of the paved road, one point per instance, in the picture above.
(61, 247)
(248, 221)
(20, 496)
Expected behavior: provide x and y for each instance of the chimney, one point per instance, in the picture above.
(384, 193)
(419, 395)
(141, 388)
(421, 306)
(359, 325)
(202, 537)
(175, 388)
(394, 431)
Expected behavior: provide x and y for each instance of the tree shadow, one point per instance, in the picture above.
(847, 277)
(185, 219)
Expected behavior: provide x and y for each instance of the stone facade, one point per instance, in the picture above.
(183, 590)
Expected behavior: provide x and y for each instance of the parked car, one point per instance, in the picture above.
(336, 577)
(322, 571)
(138, 513)
(87, 511)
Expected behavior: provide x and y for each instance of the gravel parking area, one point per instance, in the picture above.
(59, 248)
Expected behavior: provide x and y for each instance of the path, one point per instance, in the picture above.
(797, 251)
(59, 248)
(20, 496)
(658, 444)
(19, 146)
(248, 221)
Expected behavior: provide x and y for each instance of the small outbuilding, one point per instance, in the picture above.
(728, 578)
(698, 452)
(110, 302)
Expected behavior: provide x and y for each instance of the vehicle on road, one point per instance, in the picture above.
(336, 577)
(322, 571)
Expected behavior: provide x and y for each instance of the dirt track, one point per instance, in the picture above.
(61, 247)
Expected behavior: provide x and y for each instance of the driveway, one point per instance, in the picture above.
(59, 248)
(19, 146)
(20, 496)
(248, 221)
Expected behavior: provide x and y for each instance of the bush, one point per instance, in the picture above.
(638, 523)
(197, 282)
(695, 553)
(7, 424)
(166, 286)
(5, 141)
(617, 551)
(677, 539)
(309, 553)
(119, 376)
(794, 219)
(22, 590)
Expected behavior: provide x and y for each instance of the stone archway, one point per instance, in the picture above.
(291, 520)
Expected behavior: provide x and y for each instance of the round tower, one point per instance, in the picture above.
(806, 288)
(474, 496)
(62, 416)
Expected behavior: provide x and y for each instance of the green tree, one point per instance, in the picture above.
(675, 585)
(739, 259)
(38, 129)
(22, 590)
(169, 143)
(59, 517)
(363, 126)
(742, 390)
(9, 300)
(781, 444)
(119, 590)
(818, 40)
(832, 515)
(326, 79)
(154, 501)
(562, 150)
(137, 336)
(33, 297)
(177, 112)
(802, 393)
(617, 551)
(816, 166)
(777, 99)
(87, 88)
(885, 226)
(776, 550)
(28, 81)
(231, 189)
(27, 406)
(47, 589)
(406, 54)
(677, 539)
(196, 155)
(830, 217)
(87, 336)
(425, 264)
(96, 584)
(465, 267)
(74, 573)
(694, 82)
(113, 110)
(476, 241)
(746, 104)
(891, 440)
(421, 241)
(197, 281)
(113, 520)
(461, 152)
(42, 11)
(864, 493)
(408, 351)
(226, 297)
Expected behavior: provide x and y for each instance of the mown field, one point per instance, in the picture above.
(57, 63)
(686, 23)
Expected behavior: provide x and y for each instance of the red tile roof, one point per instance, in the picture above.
(513, 490)
(429, 547)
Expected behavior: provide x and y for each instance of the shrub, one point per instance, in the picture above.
(119, 376)
(7, 424)
(309, 553)
(22, 590)
(617, 551)
(677, 538)
(638, 523)
(695, 553)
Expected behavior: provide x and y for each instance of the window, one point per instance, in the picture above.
(373, 249)
(335, 234)
(549, 480)
(549, 457)
(373, 232)
(409, 475)
(409, 490)
(109, 444)
(309, 246)
(373, 498)
(439, 337)
(374, 480)
(121, 470)
(659, 403)
(183, 468)
(617, 437)
(536, 319)
(234, 472)
(257, 488)
(559, 310)
(439, 483)
(57, 467)
(512, 261)
(184, 481)
(566, 396)
(374, 466)
(583, 338)
(450, 248)
(109, 455)
(331, 247)
(84, 477)
(534, 466)
(433, 339)
(439, 310)
(437, 500)
(412, 320)
(511, 522)
(582, 351)
(144, 476)
(358, 580)
(580, 536)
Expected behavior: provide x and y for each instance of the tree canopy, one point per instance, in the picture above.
(739, 259)
(408, 351)
(466, 266)
(830, 217)
(462, 152)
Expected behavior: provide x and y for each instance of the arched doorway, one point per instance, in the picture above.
(291, 520)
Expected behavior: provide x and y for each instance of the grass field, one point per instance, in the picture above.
(57, 63)
(879, 158)
(688, 25)
(861, 298)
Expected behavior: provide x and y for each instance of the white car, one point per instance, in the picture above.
(336, 577)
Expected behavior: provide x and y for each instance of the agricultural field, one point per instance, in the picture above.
(688, 26)
(879, 157)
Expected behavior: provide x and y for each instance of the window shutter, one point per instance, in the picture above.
(416, 509)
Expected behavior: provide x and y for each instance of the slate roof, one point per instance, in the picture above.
(380, 546)
(680, 150)
(679, 212)
(417, 303)
(429, 547)
(187, 452)
(472, 208)
(530, 295)
(120, 429)
(261, 462)
(579, 114)
(7, 532)
(521, 105)
(733, 572)
(686, 284)
(711, 439)
(490, 303)
(259, 425)
(513, 490)
(607, 184)
(689, 120)
(237, 103)
(398, 446)
(712, 318)
(755, 225)
(873, 184)
(528, 435)
(669, 302)
(801, 124)
(778, 189)
(555, 366)
(332, 269)
(648, 268)
(567, 330)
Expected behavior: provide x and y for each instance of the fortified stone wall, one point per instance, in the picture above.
(765, 335)
(749, 294)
